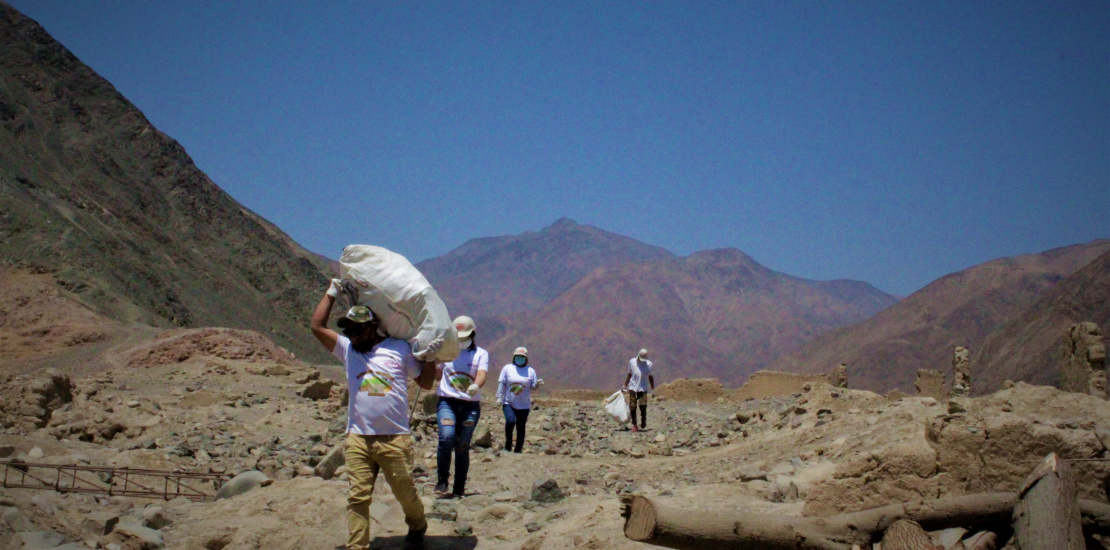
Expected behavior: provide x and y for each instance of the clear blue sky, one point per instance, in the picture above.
(889, 142)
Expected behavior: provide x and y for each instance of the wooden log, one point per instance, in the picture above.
(906, 534)
(1047, 515)
(652, 522)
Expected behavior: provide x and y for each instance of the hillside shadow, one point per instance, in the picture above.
(431, 542)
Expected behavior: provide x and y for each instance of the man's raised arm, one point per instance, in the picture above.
(319, 322)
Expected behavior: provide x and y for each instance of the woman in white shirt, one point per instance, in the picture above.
(460, 406)
(514, 392)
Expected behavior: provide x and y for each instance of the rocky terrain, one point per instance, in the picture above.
(229, 402)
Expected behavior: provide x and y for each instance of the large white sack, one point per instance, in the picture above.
(617, 407)
(408, 307)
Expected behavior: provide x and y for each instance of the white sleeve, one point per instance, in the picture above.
(501, 385)
(483, 361)
(532, 378)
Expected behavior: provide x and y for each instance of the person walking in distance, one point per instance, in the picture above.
(378, 437)
(637, 383)
(514, 392)
(460, 406)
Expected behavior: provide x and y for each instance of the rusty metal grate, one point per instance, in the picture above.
(95, 480)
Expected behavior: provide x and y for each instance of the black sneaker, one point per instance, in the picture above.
(441, 488)
(414, 540)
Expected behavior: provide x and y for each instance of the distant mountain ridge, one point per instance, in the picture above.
(583, 300)
(116, 210)
(966, 308)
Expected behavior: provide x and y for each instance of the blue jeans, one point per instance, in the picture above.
(514, 418)
(457, 419)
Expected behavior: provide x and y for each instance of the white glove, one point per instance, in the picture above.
(429, 353)
(539, 382)
(335, 288)
(473, 389)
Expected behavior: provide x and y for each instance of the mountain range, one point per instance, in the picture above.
(1010, 313)
(108, 231)
(596, 298)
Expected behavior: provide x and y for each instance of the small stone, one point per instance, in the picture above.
(155, 517)
(35, 453)
(872, 420)
(148, 539)
(1007, 384)
(546, 490)
(463, 529)
(956, 407)
(532, 527)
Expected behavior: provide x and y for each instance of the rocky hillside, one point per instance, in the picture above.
(117, 213)
(1022, 348)
(967, 309)
(716, 314)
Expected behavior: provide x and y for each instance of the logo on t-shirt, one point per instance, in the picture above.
(460, 381)
(515, 388)
(375, 384)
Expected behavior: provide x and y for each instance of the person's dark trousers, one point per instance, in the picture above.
(515, 418)
(457, 419)
(638, 398)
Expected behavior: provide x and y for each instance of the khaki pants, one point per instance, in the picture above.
(366, 455)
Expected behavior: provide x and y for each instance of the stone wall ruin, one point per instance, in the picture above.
(1083, 369)
(961, 372)
(930, 383)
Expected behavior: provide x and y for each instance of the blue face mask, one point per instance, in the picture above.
(520, 360)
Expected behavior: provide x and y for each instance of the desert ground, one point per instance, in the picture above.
(227, 402)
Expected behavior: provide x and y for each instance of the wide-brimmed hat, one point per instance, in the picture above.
(642, 354)
(520, 351)
(464, 326)
(355, 315)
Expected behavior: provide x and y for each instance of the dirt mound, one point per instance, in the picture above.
(703, 390)
(764, 384)
(177, 346)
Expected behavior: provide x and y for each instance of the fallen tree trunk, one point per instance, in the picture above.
(1047, 516)
(655, 523)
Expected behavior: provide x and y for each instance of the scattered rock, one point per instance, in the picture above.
(155, 517)
(546, 491)
(242, 483)
(130, 535)
(331, 462)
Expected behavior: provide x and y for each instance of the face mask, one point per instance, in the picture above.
(520, 361)
(465, 344)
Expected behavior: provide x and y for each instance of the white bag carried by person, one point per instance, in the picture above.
(401, 298)
(617, 407)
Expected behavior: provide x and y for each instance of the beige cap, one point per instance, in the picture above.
(520, 351)
(642, 354)
(464, 326)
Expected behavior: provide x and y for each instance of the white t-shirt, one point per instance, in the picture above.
(378, 384)
(459, 374)
(514, 386)
(640, 371)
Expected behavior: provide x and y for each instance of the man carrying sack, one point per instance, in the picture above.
(637, 382)
(378, 438)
